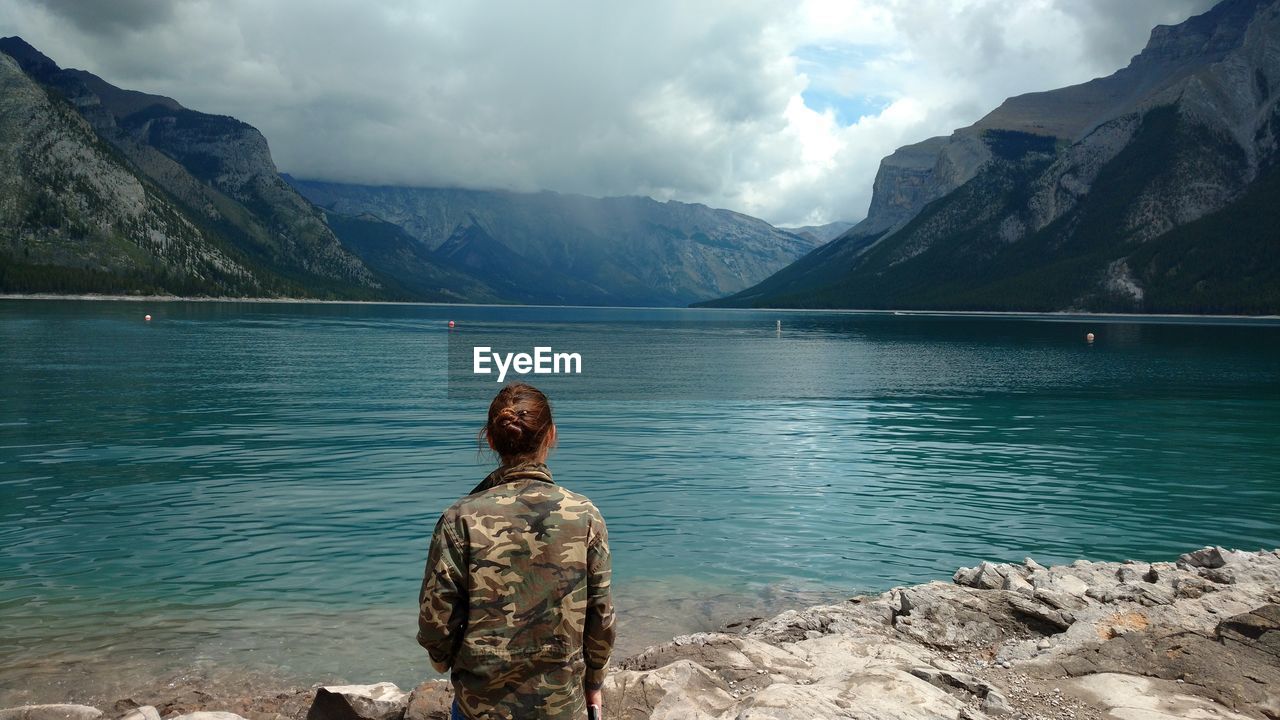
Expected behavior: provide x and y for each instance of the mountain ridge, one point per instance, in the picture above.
(629, 250)
(215, 171)
(1016, 213)
(214, 176)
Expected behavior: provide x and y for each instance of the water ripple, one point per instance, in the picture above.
(244, 484)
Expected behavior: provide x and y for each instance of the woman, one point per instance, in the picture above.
(515, 599)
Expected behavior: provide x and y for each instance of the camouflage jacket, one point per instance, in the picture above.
(515, 597)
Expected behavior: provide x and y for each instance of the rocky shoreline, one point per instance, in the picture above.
(1194, 638)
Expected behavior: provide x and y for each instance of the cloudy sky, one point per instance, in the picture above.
(778, 109)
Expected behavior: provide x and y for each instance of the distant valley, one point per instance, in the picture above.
(570, 249)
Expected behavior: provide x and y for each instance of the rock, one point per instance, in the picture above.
(430, 701)
(1069, 584)
(1016, 583)
(1222, 575)
(1129, 696)
(50, 712)
(966, 576)
(208, 715)
(380, 701)
(1208, 557)
(1151, 595)
(1038, 611)
(1259, 628)
(986, 576)
(1132, 573)
(995, 703)
(928, 674)
(146, 712)
(1032, 565)
(1059, 600)
(1191, 587)
(944, 664)
(682, 689)
(846, 661)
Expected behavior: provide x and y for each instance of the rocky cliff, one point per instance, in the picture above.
(1069, 199)
(74, 216)
(610, 251)
(219, 171)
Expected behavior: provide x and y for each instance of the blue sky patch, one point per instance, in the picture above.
(826, 66)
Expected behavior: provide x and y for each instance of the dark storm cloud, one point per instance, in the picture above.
(1112, 26)
(112, 17)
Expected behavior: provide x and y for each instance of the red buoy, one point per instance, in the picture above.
(450, 322)
(147, 318)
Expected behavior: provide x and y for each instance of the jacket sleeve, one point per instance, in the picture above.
(442, 603)
(598, 634)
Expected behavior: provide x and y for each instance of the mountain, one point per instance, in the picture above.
(1150, 190)
(104, 189)
(552, 248)
(408, 270)
(113, 190)
(820, 234)
(76, 217)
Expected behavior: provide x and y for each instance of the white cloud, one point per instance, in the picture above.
(699, 102)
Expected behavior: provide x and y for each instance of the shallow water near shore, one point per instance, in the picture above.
(251, 486)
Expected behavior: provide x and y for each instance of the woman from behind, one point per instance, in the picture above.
(515, 600)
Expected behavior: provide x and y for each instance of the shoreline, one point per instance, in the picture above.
(1022, 314)
(1194, 637)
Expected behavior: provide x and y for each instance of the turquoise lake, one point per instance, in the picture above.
(250, 487)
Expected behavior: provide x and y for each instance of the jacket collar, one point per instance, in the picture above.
(511, 473)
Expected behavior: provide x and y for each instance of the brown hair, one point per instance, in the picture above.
(519, 425)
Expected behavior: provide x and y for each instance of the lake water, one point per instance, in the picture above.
(251, 486)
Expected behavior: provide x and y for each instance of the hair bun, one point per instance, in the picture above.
(519, 422)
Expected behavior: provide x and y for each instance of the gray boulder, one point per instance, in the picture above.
(1208, 557)
(380, 701)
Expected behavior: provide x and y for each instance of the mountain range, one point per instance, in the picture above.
(1154, 189)
(109, 190)
(570, 249)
